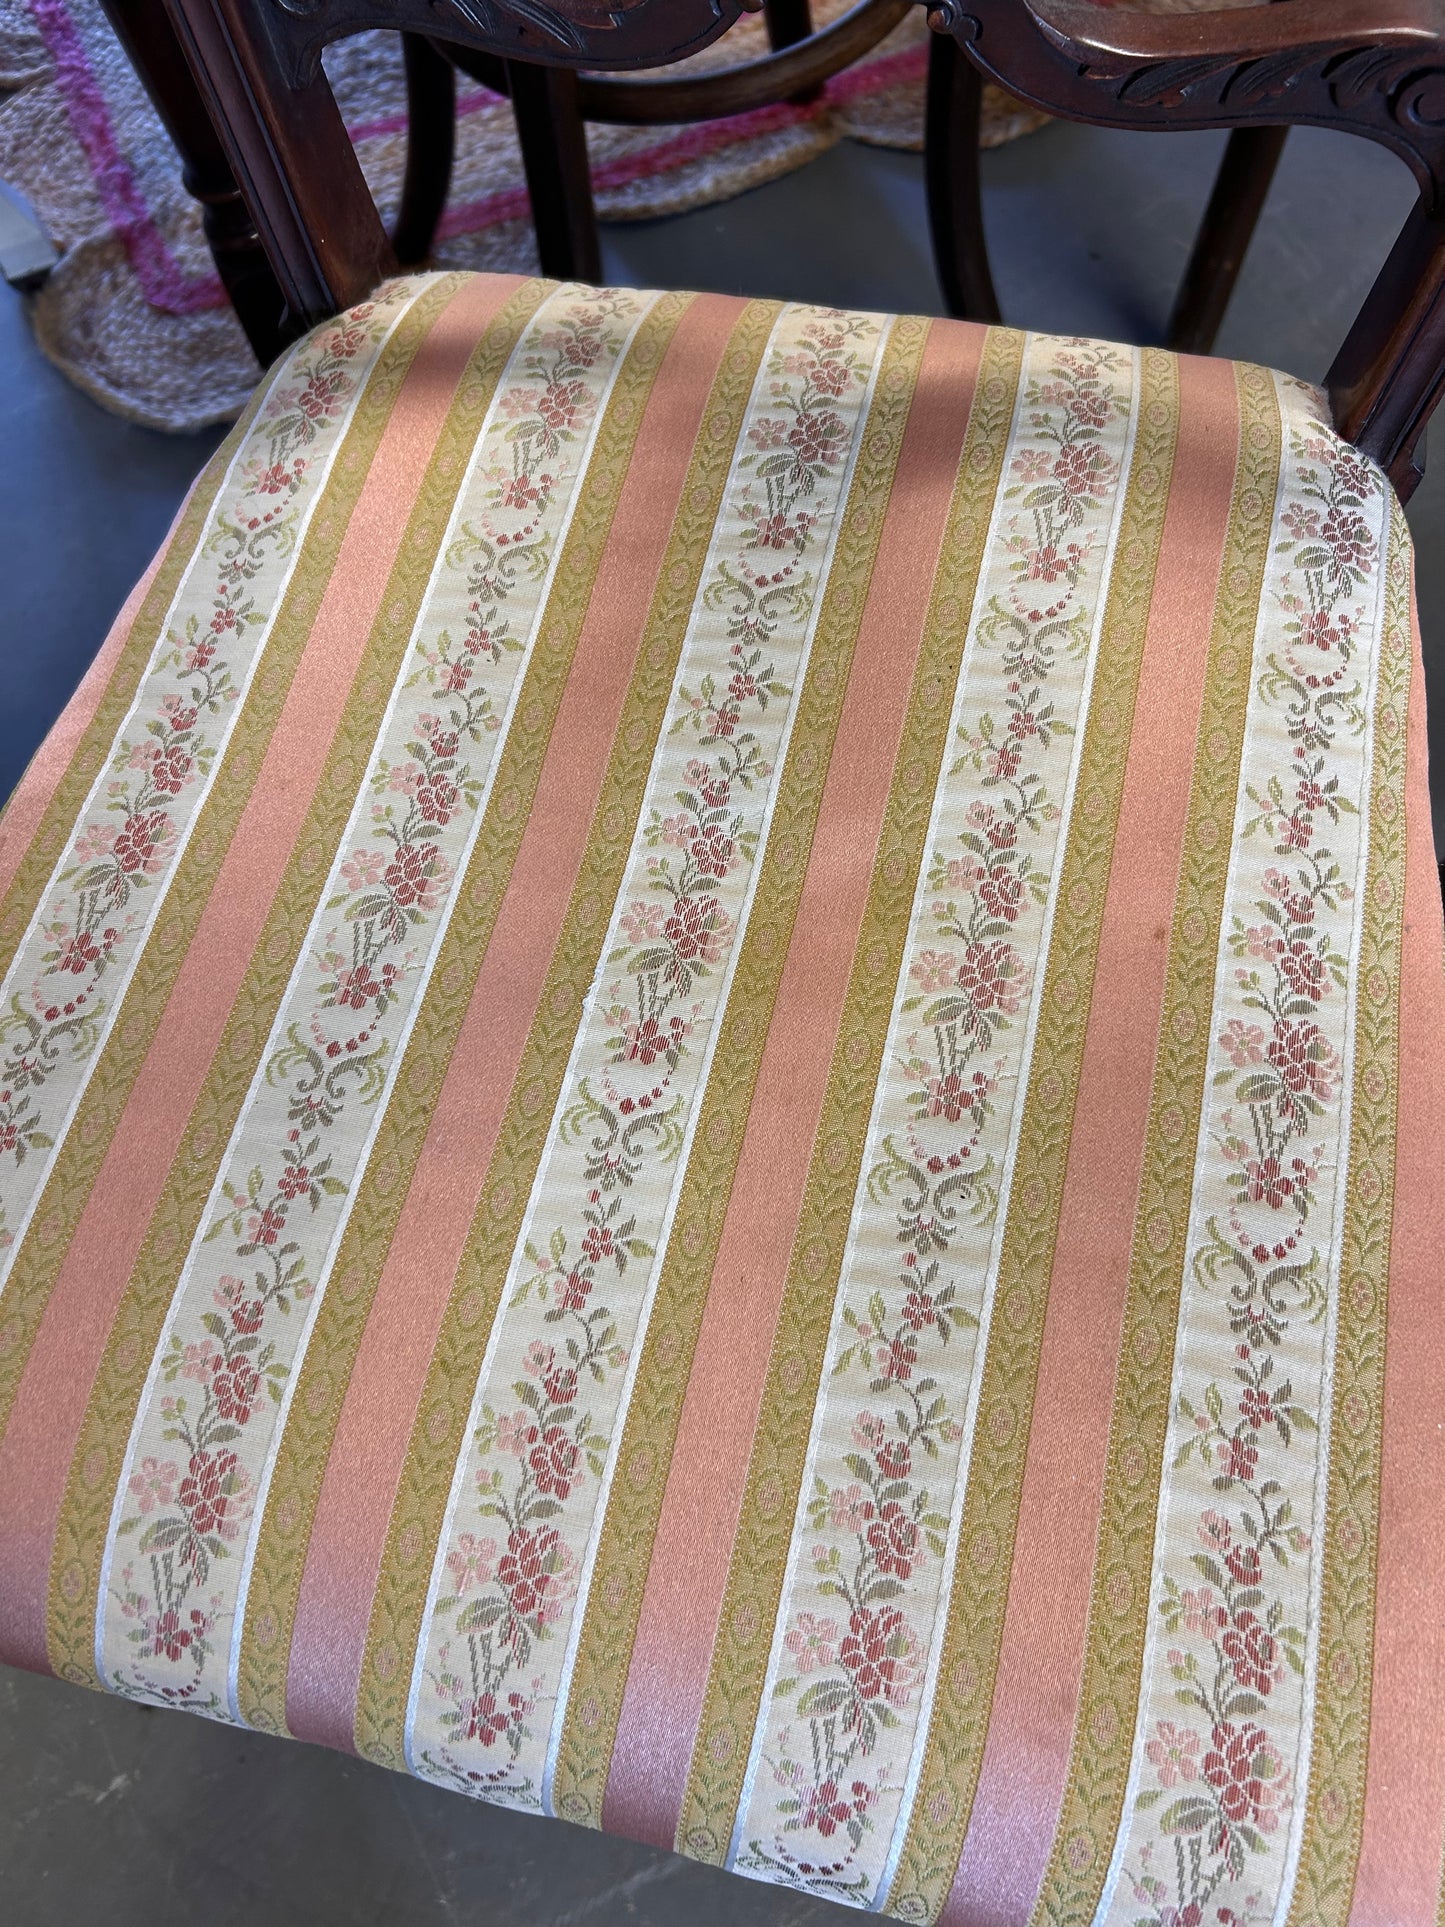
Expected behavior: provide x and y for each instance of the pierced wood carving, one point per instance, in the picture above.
(1370, 67)
(564, 33)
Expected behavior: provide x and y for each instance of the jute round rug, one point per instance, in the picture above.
(134, 313)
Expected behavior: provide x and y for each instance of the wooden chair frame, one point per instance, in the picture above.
(1375, 68)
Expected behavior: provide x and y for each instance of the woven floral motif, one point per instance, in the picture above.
(526, 1500)
(872, 1551)
(199, 1460)
(64, 986)
(1222, 1765)
(716, 1059)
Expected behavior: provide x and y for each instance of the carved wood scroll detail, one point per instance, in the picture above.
(1370, 67)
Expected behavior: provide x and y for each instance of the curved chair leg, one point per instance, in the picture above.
(431, 117)
(553, 138)
(1243, 182)
(951, 166)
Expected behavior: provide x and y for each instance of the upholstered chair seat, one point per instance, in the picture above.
(721, 1107)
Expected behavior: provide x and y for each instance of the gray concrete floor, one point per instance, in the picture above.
(111, 1813)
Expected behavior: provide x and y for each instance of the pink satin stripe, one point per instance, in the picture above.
(32, 795)
(348, 1534)
(1400, 1852)
(1026, 1755)
(667, 1677)
(36, 1453)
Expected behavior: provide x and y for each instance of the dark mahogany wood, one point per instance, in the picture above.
(953, 116)
(431, 130)
(1244, 179)
(145, 32)
(659, 100)
(553, 139)
(1370, 67)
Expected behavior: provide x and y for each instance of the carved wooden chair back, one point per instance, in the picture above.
(1370, 67)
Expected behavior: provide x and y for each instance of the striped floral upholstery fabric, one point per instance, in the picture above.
(721, 1106)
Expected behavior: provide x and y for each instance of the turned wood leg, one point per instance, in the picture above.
(144, 30)
(951, 167)
(1243, 182)
(431, 122)
(553, 137)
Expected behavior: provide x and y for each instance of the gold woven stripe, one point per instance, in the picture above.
(634, 1505)
(133, 1034)
(755, 1577)
(57, 824)
(968, 1664)
(417, 1517)
(79, 1544)
(1119, 1605)
(305, 1447)
(1334, 1814)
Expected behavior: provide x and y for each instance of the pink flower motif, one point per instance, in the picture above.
(813, 1642)
(933, 971)
(1242, 1044)
(537, 1361)
(405, 779)
(642, 922)
(515, 1433)
(849, 1508)
(363, 869)
(1203, 1613)
(1031, 465)
(95, 842)
(869, 1431)
(154, 1484)
(993, 977)
(1174, 1754)
(1262, 940)
(197, 1361)
(471, 1563)
(1215, 1532)
(880, 1652)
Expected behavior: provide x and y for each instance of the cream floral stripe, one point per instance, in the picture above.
(730, 1705)
(1213, 1808)
(544, 1415)
(1343, 1663)
(596, 1674)
(63, 990)
(274, 1580)
(47, 846)
(95, 1467)
(182, 1525)
(434, 1447)
(930, 1144)
(975, 1598)
(1099, 1763)
(98, 1109)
